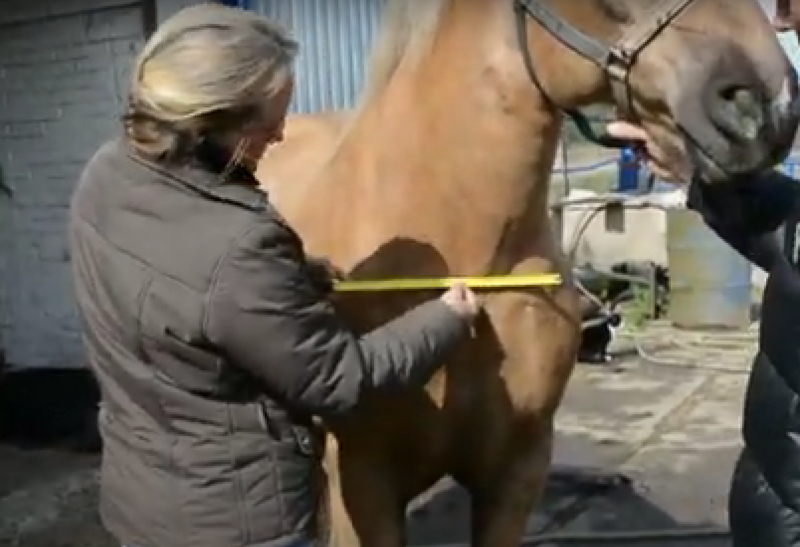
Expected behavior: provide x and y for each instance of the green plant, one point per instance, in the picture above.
(638, 311)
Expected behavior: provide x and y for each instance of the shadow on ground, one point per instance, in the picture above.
(575, 514)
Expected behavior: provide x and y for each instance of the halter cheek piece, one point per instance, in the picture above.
(616, 61)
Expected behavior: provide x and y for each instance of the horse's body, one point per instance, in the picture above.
(443, 170)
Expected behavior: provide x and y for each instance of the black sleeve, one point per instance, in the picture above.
(746, 214)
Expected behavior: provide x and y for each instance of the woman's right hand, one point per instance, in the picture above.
(656, 158)
(463, 302)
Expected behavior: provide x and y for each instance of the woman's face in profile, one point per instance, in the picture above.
(270, 130)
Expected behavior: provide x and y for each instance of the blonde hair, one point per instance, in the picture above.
(205, 72)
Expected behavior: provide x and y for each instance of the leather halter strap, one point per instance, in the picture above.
(617, 61)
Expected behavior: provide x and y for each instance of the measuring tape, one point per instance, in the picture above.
(433, 283)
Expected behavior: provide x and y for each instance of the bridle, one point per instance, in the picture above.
(616, 61)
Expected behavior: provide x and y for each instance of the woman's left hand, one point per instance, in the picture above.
(324, 274)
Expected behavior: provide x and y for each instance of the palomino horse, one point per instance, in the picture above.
(444, 168)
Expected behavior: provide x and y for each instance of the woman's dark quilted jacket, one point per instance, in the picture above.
(213, 343)
(764, 505)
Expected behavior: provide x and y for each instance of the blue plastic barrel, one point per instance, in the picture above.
(710, 284)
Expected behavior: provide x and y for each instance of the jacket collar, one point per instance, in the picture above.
(239, 187)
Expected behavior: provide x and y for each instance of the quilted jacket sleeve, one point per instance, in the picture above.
(268, 317)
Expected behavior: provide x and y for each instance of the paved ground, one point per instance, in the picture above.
(673, 428)
(671, 423)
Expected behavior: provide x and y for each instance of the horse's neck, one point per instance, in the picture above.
(456, 167)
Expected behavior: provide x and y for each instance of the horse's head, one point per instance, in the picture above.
(707, 78)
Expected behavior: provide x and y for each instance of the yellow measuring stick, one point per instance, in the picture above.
(421, 284)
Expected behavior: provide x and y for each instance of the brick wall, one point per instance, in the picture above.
(63, 71)
(165, 8)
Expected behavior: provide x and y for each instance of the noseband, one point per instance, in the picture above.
(616, 61)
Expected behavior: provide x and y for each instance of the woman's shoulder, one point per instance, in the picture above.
(101, 168)
(108, 154)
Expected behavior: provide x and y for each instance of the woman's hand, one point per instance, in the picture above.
(653, 155)
(463, 302)
(323, 274)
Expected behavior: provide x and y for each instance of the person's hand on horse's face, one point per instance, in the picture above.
(653, 155)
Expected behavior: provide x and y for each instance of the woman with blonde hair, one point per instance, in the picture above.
(208, 329)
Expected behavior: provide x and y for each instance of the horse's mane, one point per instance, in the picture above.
(408, 29)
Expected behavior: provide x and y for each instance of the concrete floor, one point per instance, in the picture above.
(672, 427)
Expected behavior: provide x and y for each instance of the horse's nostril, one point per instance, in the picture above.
(741, 97)
(729, 93)
(742, 114)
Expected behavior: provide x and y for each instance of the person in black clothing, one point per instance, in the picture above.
(764, 503)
